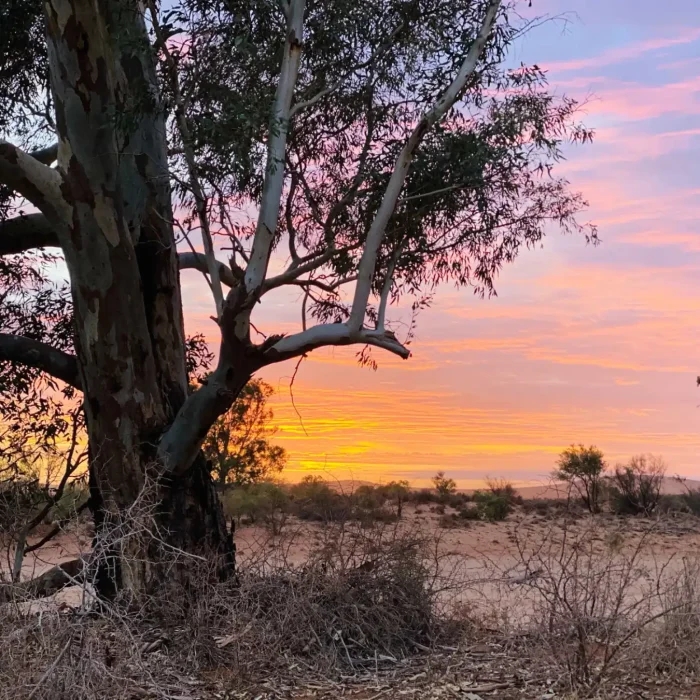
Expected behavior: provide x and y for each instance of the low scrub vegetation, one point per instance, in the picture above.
(635, 487)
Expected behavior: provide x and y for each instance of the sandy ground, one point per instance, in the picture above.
(490, 567)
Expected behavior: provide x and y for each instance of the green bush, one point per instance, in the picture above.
(469, 513)
(504, 489)
(491, 506)
(313, 499)
(583, 468)
(445, 487)
(264, 503)
(424, 496)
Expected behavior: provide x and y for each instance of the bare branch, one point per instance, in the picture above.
(17, 348)
(386, 289)
(212, 266)
(26, 232)
(276, 150)
(403, 163)
(304, 265)
(322, 285)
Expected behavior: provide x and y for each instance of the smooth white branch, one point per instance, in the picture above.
(377, 229)
(276, 150)
(336, 334)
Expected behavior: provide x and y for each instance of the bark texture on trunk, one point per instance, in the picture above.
(120, 250)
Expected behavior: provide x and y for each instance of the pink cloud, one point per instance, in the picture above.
(625, 53)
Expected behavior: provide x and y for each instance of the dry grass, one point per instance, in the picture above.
(582, 610)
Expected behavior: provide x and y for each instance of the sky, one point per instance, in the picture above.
(597, 345)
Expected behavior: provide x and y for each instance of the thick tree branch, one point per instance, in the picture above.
(332, 334)
(59, 364)
(276, 150)
(34, 181)
(46, 155)
(198, 261)
(70, 573)
(25, 232)
(403, 163)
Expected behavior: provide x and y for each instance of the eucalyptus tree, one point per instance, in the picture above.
(361, 153)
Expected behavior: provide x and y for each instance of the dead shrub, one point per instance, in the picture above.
(593, 599)
(673, 648)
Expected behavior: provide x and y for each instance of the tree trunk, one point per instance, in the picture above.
(120, 251)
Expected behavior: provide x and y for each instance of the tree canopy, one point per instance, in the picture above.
(238, 444)
(361, 153)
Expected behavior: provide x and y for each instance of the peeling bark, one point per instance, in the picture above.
(120, 250)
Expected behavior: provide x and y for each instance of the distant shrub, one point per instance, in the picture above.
(314, 499)
(504, 489)
(550, 507)
(369, 497)
(583, 468)
(491, 506)
(470, 513)
(424, 496)
(265, 503)
(398, 493)
(636, 486)
(458, 500)
(444, 486)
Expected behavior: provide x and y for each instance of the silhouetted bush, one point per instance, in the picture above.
(265, 503)
(636, 486)
(444, 487)
(313, 499)
(424, 496)
(583, 468)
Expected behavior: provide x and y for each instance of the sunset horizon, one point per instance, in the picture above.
(583, 344)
